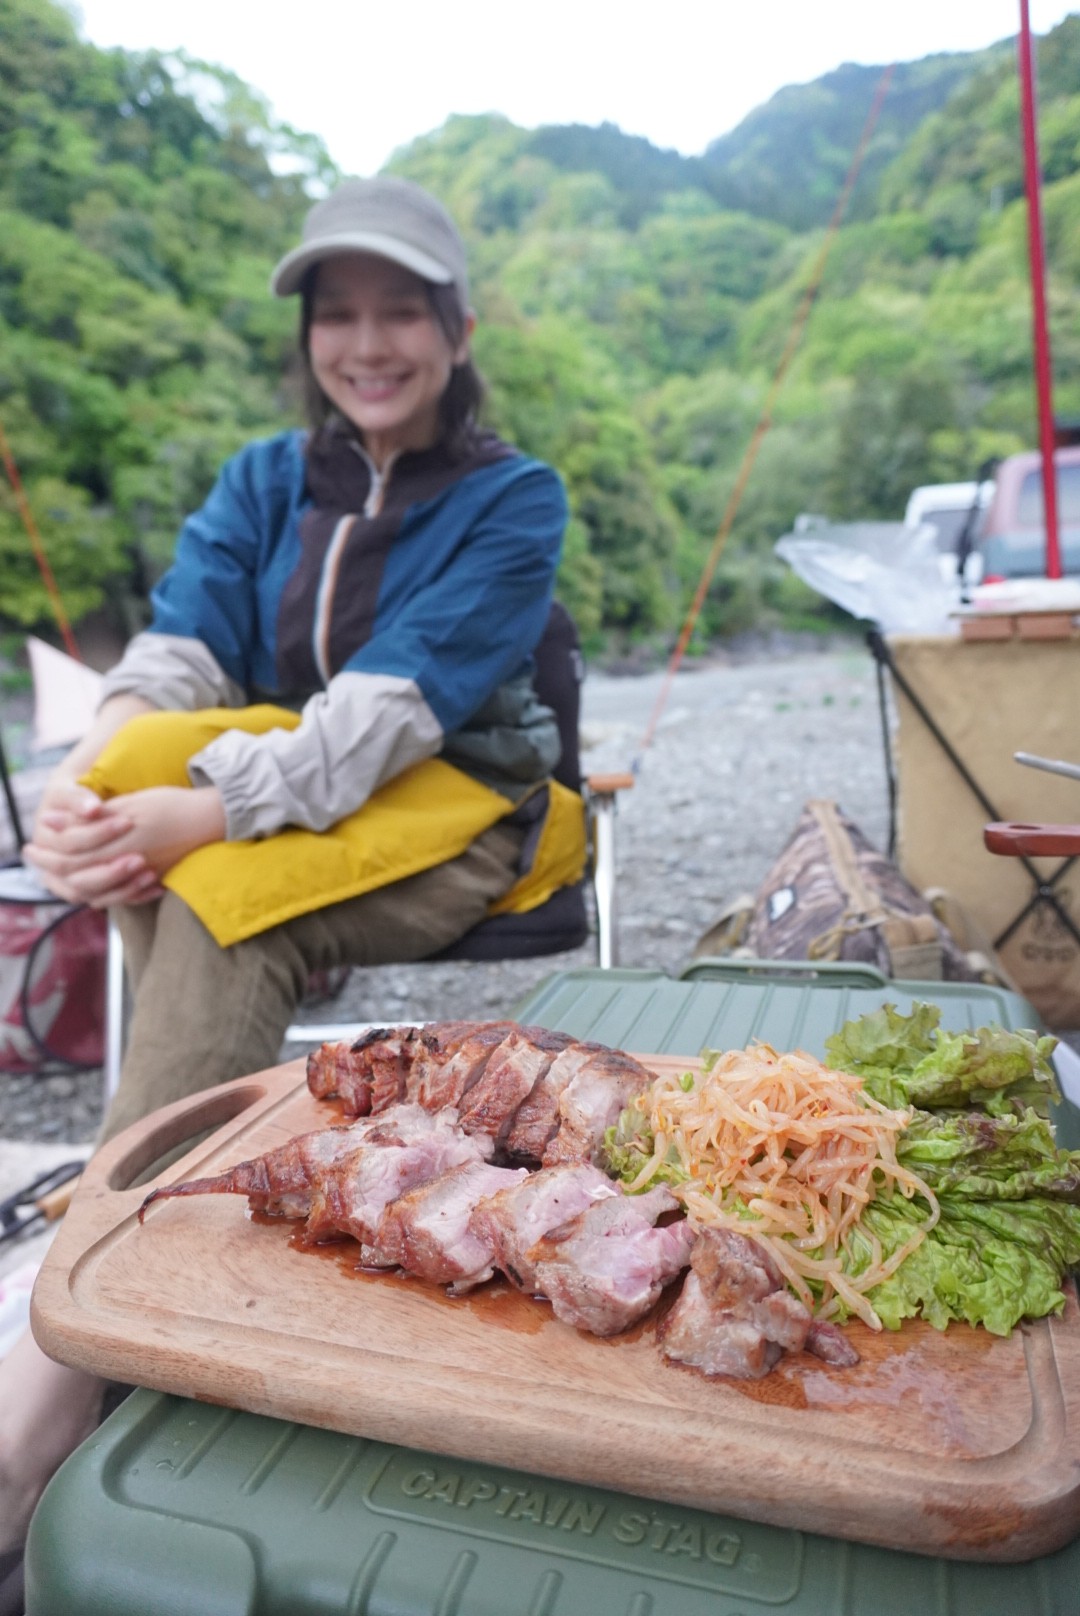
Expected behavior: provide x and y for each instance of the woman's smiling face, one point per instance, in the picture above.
(379, 353)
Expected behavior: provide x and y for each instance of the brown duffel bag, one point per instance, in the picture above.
(832, 896)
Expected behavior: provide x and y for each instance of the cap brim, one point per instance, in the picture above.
(287, 277)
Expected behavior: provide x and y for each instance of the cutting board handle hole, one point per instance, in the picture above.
(181, 1129)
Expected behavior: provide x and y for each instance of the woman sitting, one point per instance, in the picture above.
(383, 579)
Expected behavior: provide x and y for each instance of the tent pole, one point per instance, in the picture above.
(1043, 371)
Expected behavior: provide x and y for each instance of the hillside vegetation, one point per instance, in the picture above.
(633, 305)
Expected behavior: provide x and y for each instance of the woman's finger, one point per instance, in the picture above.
(144, 889)
(65, 834)
(143, 892)
(68, 797)
(68, 865)
(93, 883)
(48, 862)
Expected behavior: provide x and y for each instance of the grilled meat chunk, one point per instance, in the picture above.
(353, 1072)
(735, 1316)
(452, 1057)
(515, 1219)
(508, 1078)
(537, 1117)
(693, 1333)
(541, 1095)
(281, 1183)
(429, 1232)
(605, 1269)
(829, 1343)
(390, 1064)
(291, 1181)
(591, 1101)
(358, 1187)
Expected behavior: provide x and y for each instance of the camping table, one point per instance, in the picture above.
(180, 1507)
(964, 708)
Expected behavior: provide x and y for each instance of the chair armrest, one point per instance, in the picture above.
(601, 791)
(608, 785)
(1033, 841)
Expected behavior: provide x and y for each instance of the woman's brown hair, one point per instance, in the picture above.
(459, 407)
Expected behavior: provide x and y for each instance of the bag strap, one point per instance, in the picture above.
(862, 908)
(861, 900)
(913, 941)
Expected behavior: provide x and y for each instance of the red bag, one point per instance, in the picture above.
(52, 979)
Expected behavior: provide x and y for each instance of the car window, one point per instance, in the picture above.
(948, 525)
(1029, 506)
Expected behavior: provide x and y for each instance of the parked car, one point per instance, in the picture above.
(945, 507)
(1012, 539)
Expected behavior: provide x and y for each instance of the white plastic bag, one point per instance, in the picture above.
(883, 572)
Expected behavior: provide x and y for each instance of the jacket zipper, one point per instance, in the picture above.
(328, 577)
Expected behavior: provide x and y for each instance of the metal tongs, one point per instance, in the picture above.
(40, 1202)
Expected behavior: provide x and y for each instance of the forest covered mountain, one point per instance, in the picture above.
(633, 305)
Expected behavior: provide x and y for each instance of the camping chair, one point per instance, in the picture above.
(52, 952)
(559, 924)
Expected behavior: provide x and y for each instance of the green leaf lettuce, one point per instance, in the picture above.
(910, 1060)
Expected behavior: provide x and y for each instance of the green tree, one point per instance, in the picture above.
(634, 305)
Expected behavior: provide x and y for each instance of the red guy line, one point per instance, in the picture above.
(47, 574)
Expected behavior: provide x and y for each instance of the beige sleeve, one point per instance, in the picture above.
(174, 673)
(360, 732)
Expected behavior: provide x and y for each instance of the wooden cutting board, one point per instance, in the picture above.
(959, 1444)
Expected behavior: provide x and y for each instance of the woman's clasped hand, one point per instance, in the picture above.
(115, 852)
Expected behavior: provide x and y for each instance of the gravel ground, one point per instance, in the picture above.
(742, 743)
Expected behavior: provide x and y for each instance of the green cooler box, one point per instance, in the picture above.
(178, 1508)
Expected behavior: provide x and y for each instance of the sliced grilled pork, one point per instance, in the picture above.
(287, 1182)
(334, 1070)
(544, 1096)
(428, 1231)
(605, 1269)
(598, 1091)
(391, 1060)
(353, 1071)
(280, 1183)
(390, 1064)
(694, 1333)
(515, 1219)
(829, 1343)
(354, 1191)
(735, 1316)
(452, 1058)
(509, 1075)
(537, 1116)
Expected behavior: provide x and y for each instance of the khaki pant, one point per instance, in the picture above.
(204, 1014)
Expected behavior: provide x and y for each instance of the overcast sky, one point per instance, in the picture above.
(370, 78)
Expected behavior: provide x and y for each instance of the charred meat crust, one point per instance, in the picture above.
(540, 1095)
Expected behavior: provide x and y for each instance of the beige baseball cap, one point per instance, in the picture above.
(392, 218)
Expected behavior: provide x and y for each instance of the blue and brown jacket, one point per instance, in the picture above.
(397, 613)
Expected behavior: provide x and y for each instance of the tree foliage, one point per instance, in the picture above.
(633, 307)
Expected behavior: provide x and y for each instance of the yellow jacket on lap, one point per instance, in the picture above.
(425, 816)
